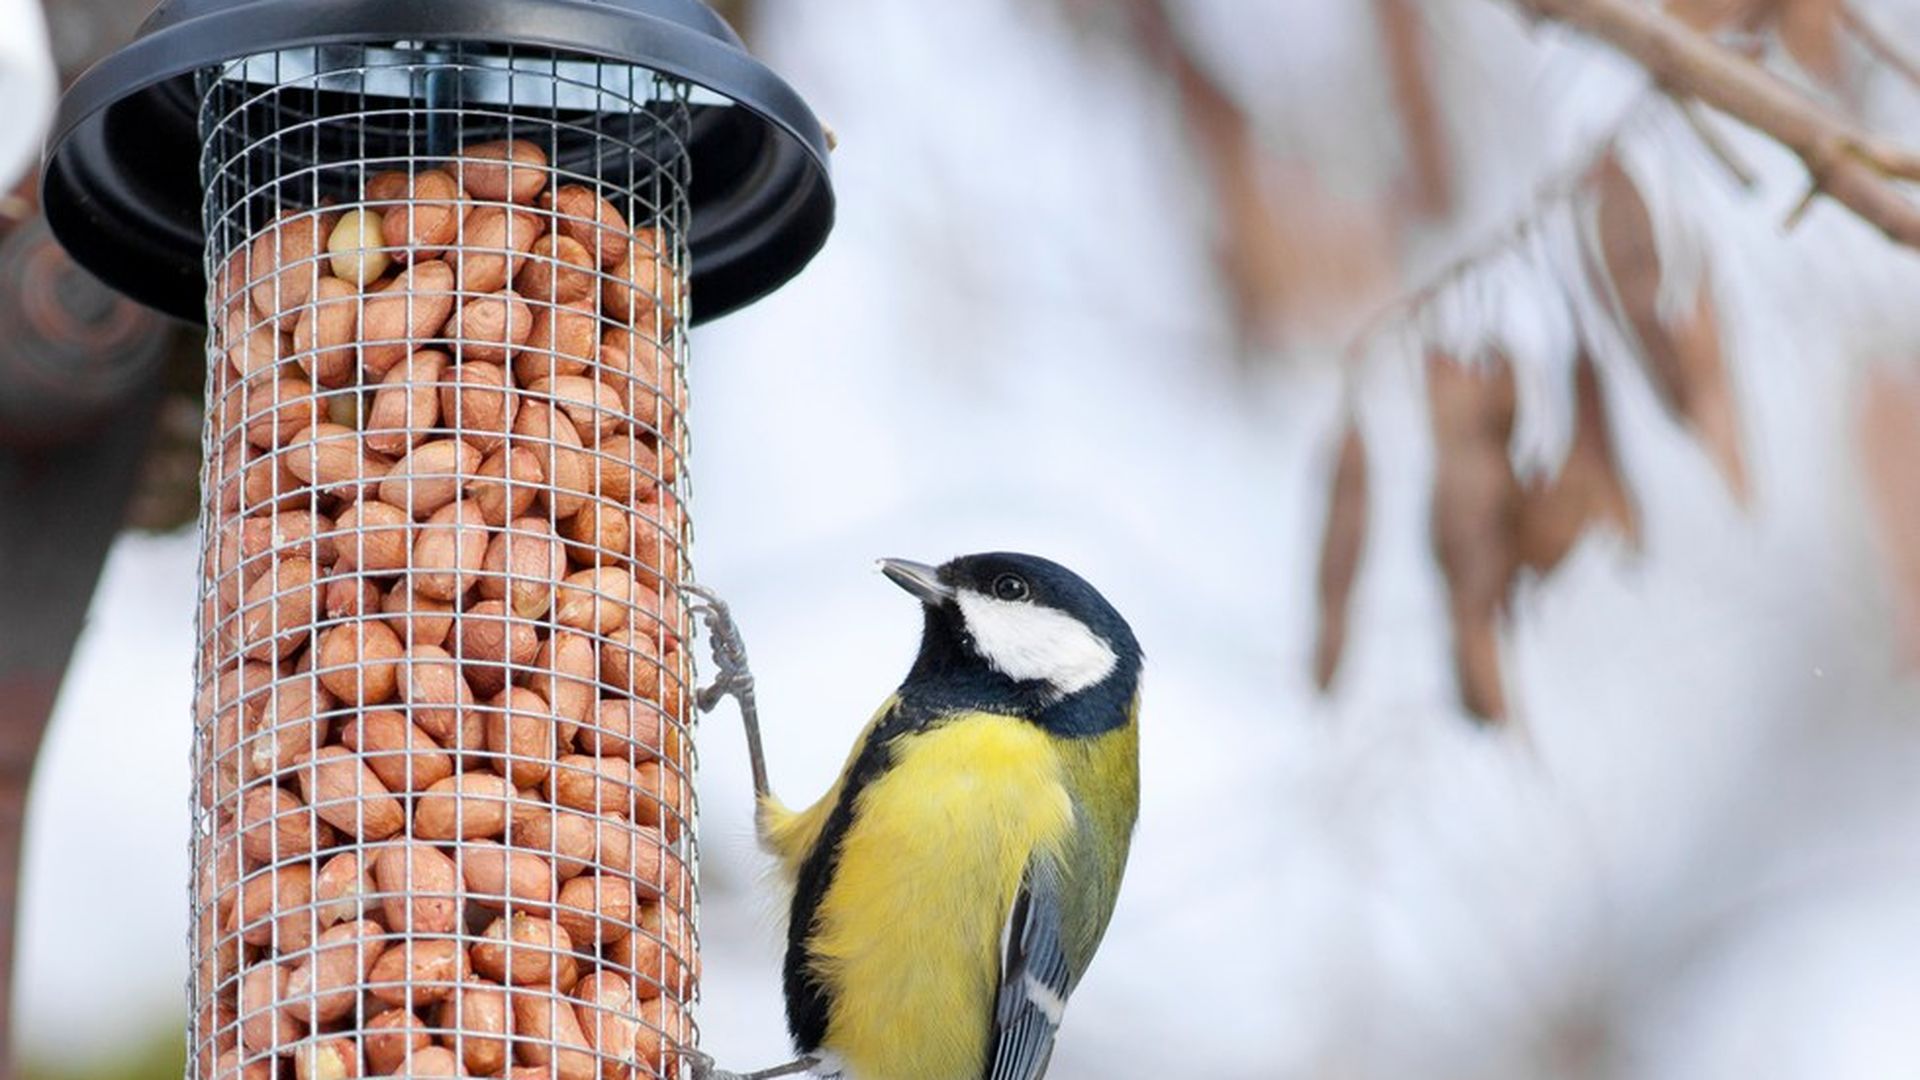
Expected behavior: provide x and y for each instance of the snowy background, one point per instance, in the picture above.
(1694, 856)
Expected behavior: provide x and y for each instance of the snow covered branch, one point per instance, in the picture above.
(1848, 164)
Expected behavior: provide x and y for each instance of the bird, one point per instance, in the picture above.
(950, 889)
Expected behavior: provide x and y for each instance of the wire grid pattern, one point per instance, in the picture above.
(442, 793)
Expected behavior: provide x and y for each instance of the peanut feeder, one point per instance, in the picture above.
(447, 255)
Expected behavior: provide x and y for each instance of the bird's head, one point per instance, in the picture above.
(1020, 626)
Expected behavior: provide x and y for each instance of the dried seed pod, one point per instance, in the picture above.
(1340, 544)
(496, 874)
(503, 171)
(405, 314)
(490, 329)
(1475, 509)
(520, 736)
(428, 218)
(404, 757)
(354, 250)
(558, 270)
(430, 476)
(419, 888)
(521, 564)
(450, 551)
(419, 971)
(478, 405)
(357, 661)
(469, 806)
(325, 331)
(407, 405)
(348, 795)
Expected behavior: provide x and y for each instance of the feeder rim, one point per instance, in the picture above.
(741, 247)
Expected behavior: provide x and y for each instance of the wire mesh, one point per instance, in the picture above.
(442, 791)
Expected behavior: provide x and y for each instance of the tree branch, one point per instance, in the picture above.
(1852, 166)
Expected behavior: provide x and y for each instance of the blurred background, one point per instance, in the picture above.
(1516, 490)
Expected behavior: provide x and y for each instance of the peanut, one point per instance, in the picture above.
(490, 640)
(477, 404)
(521, 564)
(428, 220)
(490, 329)
(407, 405)
(419, 887)
(469, 806)
(478, 1011)
(326, 985)
(377, 537)
(355, 249)
(391, 1036)
(558, 271)
(520, 733)
(325, 331)
(505, 484)
(404, 757)
(450, 551)
(430, 476)
(540, 954)
(497, 875)
(357, 661)
(403, 314)
(589, 220)
(419, 620)
(348, 795)
(503, 170)
(595, 908)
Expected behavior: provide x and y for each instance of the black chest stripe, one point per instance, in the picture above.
(808, 999)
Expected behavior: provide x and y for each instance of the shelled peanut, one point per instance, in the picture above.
(440, 726)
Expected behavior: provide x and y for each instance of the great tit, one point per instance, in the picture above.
(950, 889)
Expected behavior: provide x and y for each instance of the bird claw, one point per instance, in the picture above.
(729, 650)
(701, 1066)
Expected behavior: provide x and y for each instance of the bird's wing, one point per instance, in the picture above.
(1036, 976)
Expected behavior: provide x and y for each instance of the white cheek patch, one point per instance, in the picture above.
(1033, 643)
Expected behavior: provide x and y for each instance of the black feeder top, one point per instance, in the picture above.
(121, 187)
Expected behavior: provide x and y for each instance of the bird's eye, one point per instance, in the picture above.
(1010, 587)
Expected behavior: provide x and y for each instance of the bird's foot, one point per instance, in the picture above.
(733, 678)
(702, 1067)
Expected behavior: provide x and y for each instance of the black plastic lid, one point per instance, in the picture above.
(121, 187)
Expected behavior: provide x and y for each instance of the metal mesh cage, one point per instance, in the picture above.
(442, 791)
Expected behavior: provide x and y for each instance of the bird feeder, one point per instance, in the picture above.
(447, 252)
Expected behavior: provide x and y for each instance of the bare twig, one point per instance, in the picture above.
(1702, 127)
(1849, 165)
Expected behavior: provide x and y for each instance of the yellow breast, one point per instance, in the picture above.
(908, 933)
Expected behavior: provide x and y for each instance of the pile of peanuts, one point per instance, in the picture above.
(441, 771)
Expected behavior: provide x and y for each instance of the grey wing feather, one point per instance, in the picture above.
(1035, 979)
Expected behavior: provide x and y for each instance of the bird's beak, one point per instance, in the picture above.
(921, 580)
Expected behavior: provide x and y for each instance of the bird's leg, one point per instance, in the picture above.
(733, 679)
(704, 1069)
